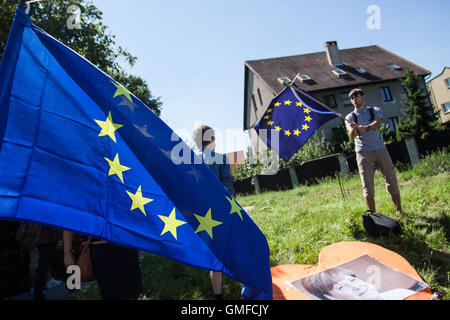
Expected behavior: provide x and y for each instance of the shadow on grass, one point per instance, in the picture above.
(432, 264)
(165, 279)
(443, 220)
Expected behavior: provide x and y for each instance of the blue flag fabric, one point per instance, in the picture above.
(290, 120)
(79, 152)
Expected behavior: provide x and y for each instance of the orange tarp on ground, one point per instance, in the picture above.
(334, 255)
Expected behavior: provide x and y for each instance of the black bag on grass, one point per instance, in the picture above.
(377, 224)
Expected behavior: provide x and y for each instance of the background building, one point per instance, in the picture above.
(236, 159)
(439, 88)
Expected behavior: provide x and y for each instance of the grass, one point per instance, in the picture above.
(298, 223)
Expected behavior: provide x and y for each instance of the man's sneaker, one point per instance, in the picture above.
(52, 283)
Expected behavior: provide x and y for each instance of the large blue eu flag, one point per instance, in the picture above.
(290, 120)
(79, 152)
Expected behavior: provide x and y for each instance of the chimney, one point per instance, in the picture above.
(332, 50)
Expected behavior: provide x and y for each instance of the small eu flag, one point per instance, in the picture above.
(291, 118)
(79, 152)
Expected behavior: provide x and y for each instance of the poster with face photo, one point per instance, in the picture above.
(363, 278)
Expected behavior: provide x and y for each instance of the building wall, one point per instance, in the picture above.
(236, 159)
(258, 89)
(257, 108)
(440, 93)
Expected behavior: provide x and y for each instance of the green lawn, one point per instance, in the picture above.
(298, 223)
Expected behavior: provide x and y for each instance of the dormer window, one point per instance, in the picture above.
(284, 80)
(339, 72)
(304, 77)
(361, 70)
(394, 66)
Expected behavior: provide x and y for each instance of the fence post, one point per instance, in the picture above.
(345, 170)
(256, 184)
(413, 151)
(293, 177)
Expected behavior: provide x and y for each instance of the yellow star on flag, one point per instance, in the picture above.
(270, 123)
(306, 110)
(305, 127)
(138, 200)
(171, 223)
(234, 207)
(121, 90)
(277, 128)
(277, 104)
(287, 133)
(108, 127)
(207, 223)
(308, 118)
(288, 102)
(266, 117)
(269, 110)
(299, 104)
(296, 132)
(116, 168)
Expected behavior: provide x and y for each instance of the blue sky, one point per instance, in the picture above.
(192, 53)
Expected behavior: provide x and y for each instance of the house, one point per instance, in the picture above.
(329, 75)
(439, 89)
(236, 159)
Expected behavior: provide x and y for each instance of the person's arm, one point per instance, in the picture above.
(226, 177)
(374, 125)
(351, 126)
(68, 255)
(352, 130)
(228, 183)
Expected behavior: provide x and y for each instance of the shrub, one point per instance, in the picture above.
(433, 164)
(316, 147)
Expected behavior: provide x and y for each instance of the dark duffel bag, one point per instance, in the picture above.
(377, 224)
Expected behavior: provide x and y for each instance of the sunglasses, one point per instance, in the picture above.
(355, 95)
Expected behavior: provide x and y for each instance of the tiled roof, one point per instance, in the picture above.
(373, 59)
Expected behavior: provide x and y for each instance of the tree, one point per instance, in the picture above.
(139, 88)
(387, 133)
(7, 8)
(421, 120)
(90, 39)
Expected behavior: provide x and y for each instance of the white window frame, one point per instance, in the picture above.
(384, 96)
(394, 66)
(345, 97)
(443, 107)
(304, 77)
(393, 123)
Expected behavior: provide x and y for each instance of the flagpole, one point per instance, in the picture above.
(292, 82)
